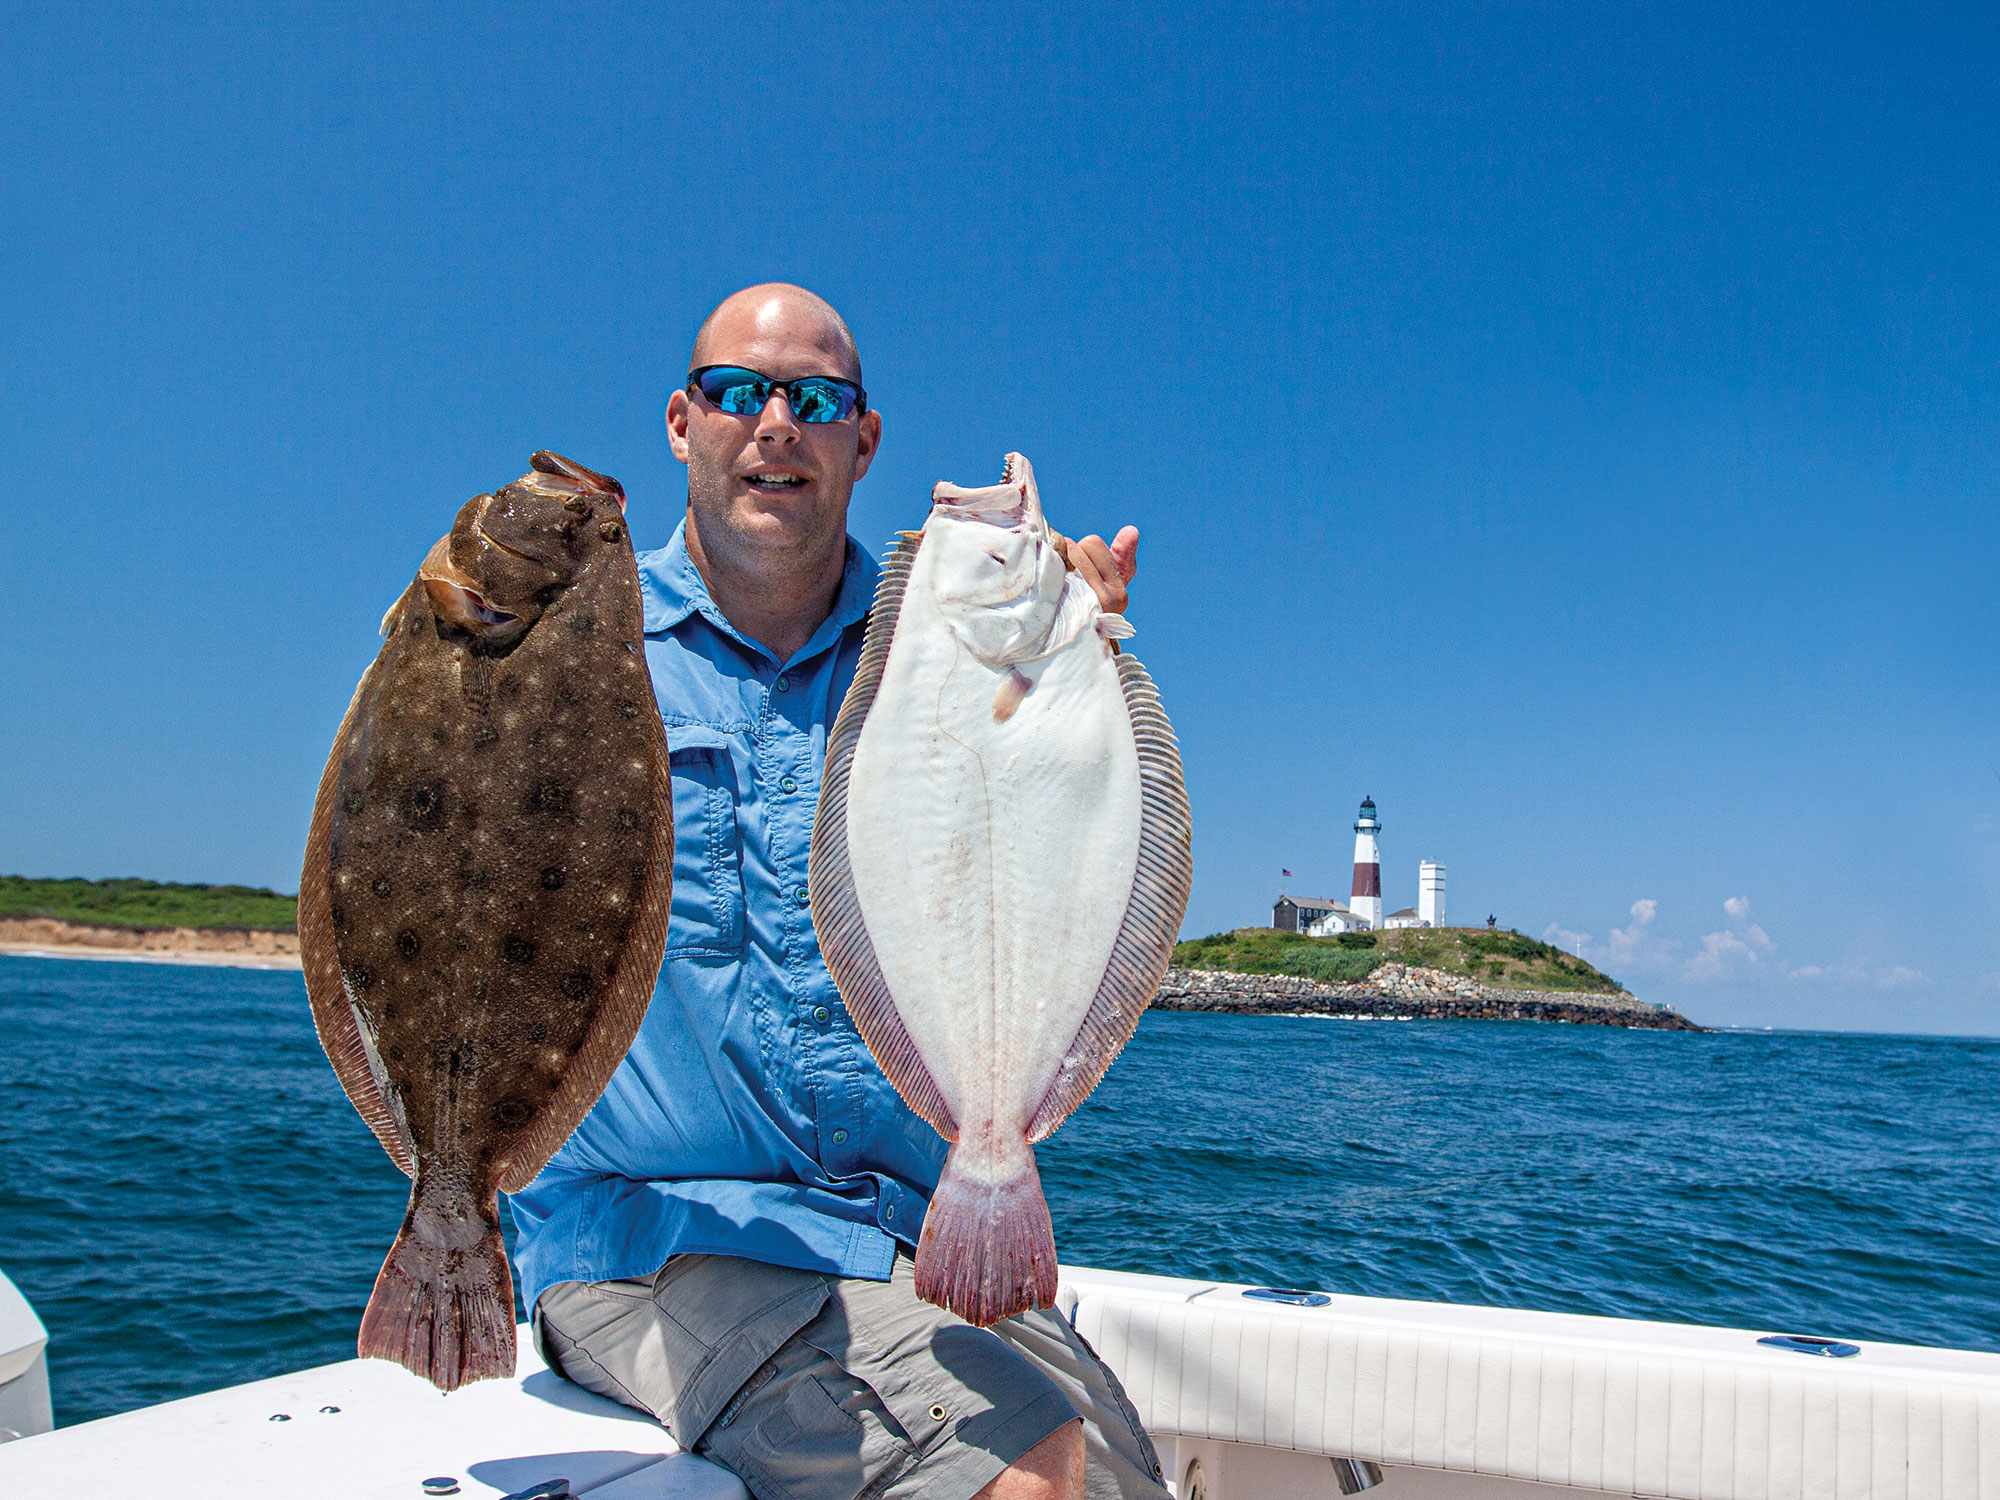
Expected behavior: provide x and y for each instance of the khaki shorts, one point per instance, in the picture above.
(815, 1387)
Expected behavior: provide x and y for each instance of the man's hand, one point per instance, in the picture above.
(1107, 569)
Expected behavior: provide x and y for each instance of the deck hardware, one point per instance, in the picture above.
(444, 1484)
(1290, 1296)
(1354, 1475)
(548, 1489)
(1802, 1343)
(279, 1416)
(1194, 1483)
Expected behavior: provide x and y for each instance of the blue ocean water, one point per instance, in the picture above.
(189, 1201)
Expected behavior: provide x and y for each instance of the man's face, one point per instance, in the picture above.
(766, 482)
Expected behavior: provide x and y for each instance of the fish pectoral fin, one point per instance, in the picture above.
(1013, 688)
(1115, 628)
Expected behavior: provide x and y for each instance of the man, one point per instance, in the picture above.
(725, 1241)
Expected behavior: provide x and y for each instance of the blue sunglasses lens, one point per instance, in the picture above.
(739, 392)
(816, 400)
(743, 393)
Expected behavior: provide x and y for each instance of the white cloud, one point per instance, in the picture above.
(1636, 946)
(1741, 945)
(1740, 950)
(1628, 949)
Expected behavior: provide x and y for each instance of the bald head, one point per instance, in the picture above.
(777, 311)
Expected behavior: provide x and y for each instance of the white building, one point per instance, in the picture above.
(1430, 893)
(1336, 920)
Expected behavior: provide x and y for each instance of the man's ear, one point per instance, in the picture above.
(677, 424)
(866, 440)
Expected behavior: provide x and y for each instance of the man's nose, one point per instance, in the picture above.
(776, 422)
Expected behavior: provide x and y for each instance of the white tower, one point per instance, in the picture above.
(1366, 902)
(1430, 893)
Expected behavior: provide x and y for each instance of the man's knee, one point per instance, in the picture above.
(1051, 1470)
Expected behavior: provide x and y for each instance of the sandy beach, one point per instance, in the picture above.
(231, 947)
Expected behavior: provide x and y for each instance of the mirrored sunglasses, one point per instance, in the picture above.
(743, 393)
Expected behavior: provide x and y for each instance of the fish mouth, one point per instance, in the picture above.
(556, 475)
(485, 614)
(1011, 504)
(458, 603)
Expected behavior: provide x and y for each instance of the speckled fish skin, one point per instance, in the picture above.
(485, 895)
(1000, 865)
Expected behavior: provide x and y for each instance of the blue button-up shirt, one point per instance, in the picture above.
(748, 1118)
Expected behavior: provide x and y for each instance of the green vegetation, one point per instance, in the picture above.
(147, 903)
(1265, 950)
(1502, 958)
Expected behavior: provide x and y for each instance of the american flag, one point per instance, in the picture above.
(1284, 872)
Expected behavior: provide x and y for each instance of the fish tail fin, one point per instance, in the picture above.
(988, 1250)
(443, 1305)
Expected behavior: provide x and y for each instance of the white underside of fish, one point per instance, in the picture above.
(1000, 865)
(993, 861)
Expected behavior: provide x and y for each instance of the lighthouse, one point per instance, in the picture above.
(1366, 902)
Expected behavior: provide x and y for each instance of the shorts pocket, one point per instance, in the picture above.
(825, 1438)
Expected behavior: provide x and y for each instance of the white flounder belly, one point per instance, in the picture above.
(992, 861)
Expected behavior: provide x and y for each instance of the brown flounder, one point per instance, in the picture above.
(1000, 865)
(485, 894)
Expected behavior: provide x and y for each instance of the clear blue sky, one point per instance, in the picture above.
(1575, 428)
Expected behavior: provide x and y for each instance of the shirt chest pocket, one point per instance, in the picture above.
(708, 867)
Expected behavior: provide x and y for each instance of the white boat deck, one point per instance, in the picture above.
(366, 1428)
(1248, 1400)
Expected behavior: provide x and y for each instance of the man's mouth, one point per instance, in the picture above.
(775, 483)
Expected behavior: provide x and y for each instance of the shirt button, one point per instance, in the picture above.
(821, 1014)
(802, 895)
(840, 1138)
(788, 785)
(889, 1212)
(784, 684)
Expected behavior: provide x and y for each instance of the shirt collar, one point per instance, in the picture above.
(671, 589)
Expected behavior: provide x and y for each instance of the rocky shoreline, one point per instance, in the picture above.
(1402, 992)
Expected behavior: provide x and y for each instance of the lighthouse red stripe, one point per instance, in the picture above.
(1367, 880)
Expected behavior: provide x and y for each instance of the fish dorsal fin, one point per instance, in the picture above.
(836, 908)
(326, 991)
(1160, 887)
